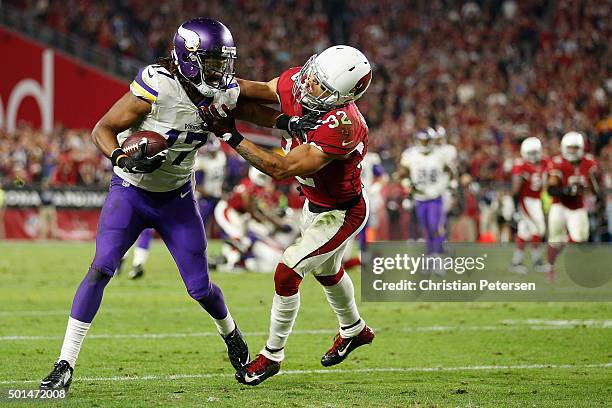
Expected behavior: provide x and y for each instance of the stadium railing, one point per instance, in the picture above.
(107, 60)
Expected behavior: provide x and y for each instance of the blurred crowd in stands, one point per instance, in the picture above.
(492, 72)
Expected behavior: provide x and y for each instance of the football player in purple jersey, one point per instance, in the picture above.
(156, 192)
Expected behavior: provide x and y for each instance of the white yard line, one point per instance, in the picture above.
(417, 329)
(157, 335)
(561, 323)
(339, 371)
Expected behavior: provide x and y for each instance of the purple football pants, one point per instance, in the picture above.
(430, 215)
(207, 207)
(127, 211)
(144, 240)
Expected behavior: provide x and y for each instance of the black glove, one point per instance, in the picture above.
(299, 125)
(224, 127)
(139, 163)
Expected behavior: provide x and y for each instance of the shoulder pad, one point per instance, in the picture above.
(146, 83)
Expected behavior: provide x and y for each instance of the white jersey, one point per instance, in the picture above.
(426, 172)
(370, 160)
(214, 172)
(450, 154)
(174, 116)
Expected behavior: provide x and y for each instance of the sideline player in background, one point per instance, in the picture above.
(210, 170)
(250, 225)
(424, 169)
(528, 178)
(325, 158)
(569, 176)
(156, 192)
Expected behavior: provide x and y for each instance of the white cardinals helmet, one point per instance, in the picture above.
(343, 72)
(572, 146)
(531, 149)
(259, 178)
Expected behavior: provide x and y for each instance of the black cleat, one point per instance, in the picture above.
(136, 273)
(342, 347)
(257, 371)
(59, 378)
(237, 349)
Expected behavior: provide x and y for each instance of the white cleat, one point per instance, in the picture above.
(519, 268)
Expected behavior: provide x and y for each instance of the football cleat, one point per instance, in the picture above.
(237, 349)
(257, 371)
(519, 268)
(542, 267)
(59, 378)
(137, 272)
(342, 347)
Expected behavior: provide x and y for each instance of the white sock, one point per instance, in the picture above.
(341, 298)
(518, 256)
(75, 333)
(282, 318)
(140, 256)
(537, 254)
(226, 325)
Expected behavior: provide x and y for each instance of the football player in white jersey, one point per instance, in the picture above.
(156, 192)
(210, 170)
(424, 169)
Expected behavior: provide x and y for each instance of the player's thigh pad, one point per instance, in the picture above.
(323, 236)
(578, 224)
(556, 223)
(532, 219)
(119, 225)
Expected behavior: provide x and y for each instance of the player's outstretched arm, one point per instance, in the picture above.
(126, 112)
(256, 113)
(264, 92)
(301, 161)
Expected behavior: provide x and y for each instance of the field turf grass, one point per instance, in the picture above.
(151, 345)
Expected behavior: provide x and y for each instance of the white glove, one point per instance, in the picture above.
(229, 98)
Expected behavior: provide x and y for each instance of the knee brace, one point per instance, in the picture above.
(286, 280)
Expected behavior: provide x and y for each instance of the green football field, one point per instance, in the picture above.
(151, 345)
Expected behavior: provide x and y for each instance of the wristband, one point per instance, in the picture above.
(116, 155)
(283, 121)
(233, 139)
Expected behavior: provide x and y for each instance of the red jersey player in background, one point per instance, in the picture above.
(528, 175)
(324, 155)
(569, 175)
(249, 226)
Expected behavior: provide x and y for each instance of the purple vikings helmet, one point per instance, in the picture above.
(425, 139)
(204, 52)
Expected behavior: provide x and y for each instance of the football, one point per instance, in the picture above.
(155, 143)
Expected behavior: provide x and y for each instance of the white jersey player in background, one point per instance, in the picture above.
(449, 152)
(210, 171)
(425, 171)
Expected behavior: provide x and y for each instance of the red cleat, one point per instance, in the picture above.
(257, 370)
(342, 347)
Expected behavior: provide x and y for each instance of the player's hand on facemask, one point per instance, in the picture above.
(227, 97)
(140, 163)
(297, 125)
